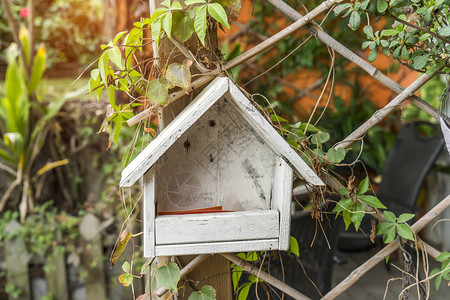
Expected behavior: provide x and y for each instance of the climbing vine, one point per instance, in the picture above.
(121, 68)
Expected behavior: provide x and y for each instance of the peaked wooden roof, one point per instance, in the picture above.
(221, 86)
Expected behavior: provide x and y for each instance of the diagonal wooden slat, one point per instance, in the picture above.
(378, 257)
(325, 5)
(315, 30)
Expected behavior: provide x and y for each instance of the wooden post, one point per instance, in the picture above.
(16, 258)
(56, 276)
(92, 258)
(216, 269)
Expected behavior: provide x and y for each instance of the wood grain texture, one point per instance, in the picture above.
(218, 227)
(282, 197)
(219, 160)
(218, 247)
(149, 213)
(173, 131)
(270, 135)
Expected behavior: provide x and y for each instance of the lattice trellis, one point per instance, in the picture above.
(403, 94)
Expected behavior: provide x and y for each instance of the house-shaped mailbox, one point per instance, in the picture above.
(219, 151)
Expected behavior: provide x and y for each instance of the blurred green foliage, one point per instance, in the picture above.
(72, 30)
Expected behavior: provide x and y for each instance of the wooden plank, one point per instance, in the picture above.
(219, 247)
(282, 197)
(56, 274)
(270, 135)
(232, 226)
(214, 271)
(173, 131)
(219, 160)
(149, 213)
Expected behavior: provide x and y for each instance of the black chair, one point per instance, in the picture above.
(415, 149)
(317, 260)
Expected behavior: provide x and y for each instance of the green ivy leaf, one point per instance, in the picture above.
(200, 22)
(389, 32)
(389, 235)
(381, 6)
(346, 217)
(167, 24)
(156, 14)
(183, 25)
(420, 61)
(115, 56)
(383, 227)
(372, 201)
(192, 2)
(168, 276)
(206, 293)
(126, 279)
(118, 36)
(358, 212)
(243, 293)
(156, 31)
(218, 13)
(390, 217)
(444, 31)
(355, 20)
(405, 231)
(373, 55)
(405, 217)
(126, 267)
(363, 186)
(368, 30)
(179, 75)
(336, 155)
(437, 278)
(434, 68)
(293, 246)
(158, 90)
(320, 138)
(443, 256)
(344, 191)
(343, 205)
(236, 275)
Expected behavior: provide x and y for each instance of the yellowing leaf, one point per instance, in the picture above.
(120, 247)
(179, 75)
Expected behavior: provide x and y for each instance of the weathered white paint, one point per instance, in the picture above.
(149, 213)
(220, 247)
(210, 95)
(282, 196)
(217, 227)
(218, 161)
(173, 131)
(219, 151)
(270, 135)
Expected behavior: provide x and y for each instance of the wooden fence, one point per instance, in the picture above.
(88, 276)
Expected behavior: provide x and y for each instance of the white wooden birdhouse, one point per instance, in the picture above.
(217, 179)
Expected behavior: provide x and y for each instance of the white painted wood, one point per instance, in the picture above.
(173, 131)
(219, 160)
(282, 197)
(270, 135)
(220, 247)
(210, 95)
(217, 227)
(149, 213)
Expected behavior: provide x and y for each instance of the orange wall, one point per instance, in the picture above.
(376, 92)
